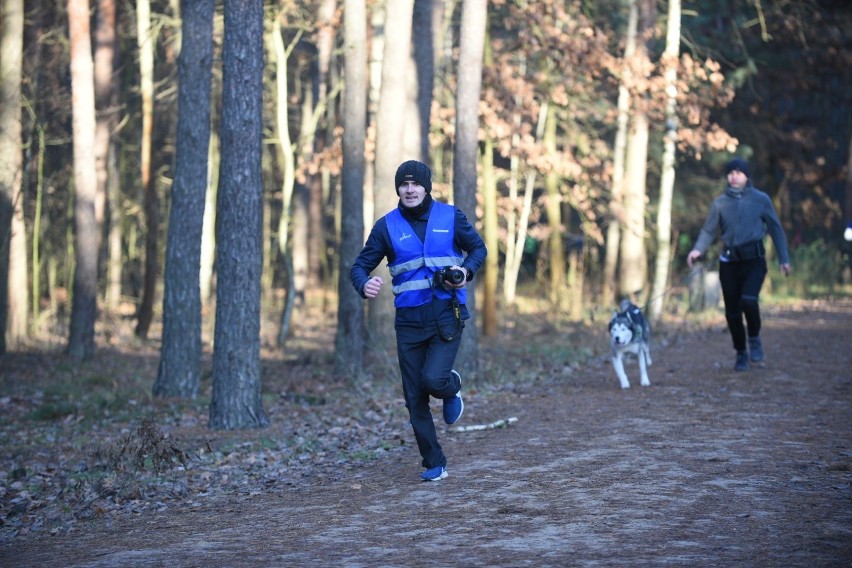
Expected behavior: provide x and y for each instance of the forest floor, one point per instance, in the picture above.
(706, 467)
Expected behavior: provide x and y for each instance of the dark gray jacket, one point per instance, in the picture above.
(743, 217)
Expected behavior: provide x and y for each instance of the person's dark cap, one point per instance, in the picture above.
(415, 171)
(738, 164)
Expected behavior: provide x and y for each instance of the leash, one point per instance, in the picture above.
(685, 280)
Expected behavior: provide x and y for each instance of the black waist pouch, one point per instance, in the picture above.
(745, 251)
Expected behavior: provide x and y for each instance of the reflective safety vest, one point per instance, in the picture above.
(415, 262)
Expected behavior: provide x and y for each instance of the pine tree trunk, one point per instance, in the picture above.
(349, 341)
(474, 15)
(179, 373)
(145, 40)
(81, 337)
(236, 401)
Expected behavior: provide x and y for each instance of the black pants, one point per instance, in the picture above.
(425, 361)
(741, 283)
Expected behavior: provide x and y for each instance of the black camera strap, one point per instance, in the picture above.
(454, 302)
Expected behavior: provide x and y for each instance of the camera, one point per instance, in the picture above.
(452, 276)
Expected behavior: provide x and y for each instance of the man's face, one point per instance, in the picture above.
(411, 193)
(737, 179)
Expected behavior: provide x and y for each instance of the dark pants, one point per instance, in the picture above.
(741, 283)
(425, 361)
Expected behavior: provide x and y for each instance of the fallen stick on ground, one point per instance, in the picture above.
(497, 424)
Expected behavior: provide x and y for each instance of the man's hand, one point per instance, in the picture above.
(692, 257)
(450, 285)
(372, 287)
(786, 269)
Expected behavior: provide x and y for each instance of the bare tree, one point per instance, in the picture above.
(13, 255)
(389, 133)
(145, 42)
(616, 202)
(633, 270)
(236, 401)
(474, 16)
(81, 338)
(349, 342)
(664, 207)
(179, 372)
(423, 51)
(106, 120)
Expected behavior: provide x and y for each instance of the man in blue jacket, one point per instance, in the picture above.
(432, 251)
(743, 215)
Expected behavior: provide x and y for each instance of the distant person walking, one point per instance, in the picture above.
(425, 242)
(743, 215)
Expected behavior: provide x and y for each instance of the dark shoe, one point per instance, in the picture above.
(742, 361)
(434, 474)
(454, 405)
(755, 349)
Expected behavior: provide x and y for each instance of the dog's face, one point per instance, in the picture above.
(620, 332)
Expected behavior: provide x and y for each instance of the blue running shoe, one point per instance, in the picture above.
(741, 363)
(755, 349)
(454, 405)
(434, 474)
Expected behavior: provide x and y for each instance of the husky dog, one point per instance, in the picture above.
(629, 333)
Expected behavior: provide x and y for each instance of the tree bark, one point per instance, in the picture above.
(179, 373)
(490, 323)
(556, 247)
(349, 341)
(474, 16)
(616, 203)
(389, 134)
(145, 41)
(236, 401)
(13, 254)
(634, 271)
(106, 119)
(664, 208)
(81, 337)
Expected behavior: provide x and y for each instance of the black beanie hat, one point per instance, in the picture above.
(738, 164)
(412, 170)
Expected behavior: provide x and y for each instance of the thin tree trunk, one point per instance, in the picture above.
(556, 247)
(286, 161)
(105, 116)
(424, 20)
(474, 16)
(13, 249)
(208, 231)
(634, 271)
(490, 323)
(105, 82)
(616, 207)
(513, 266)
(349, 341)
(145, 41)
(664, 208)
(81, 337)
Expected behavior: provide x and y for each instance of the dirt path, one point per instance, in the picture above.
(707, 467)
